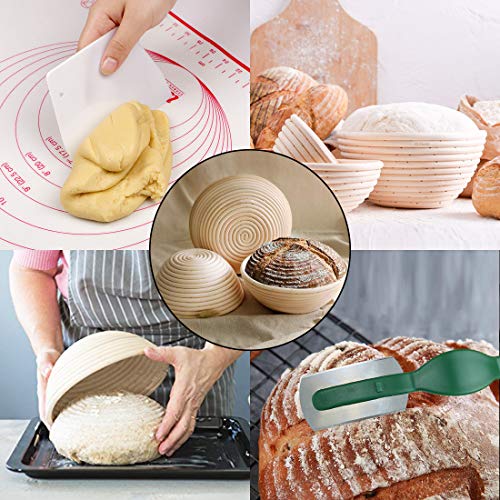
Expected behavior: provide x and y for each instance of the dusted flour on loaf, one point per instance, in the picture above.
(408, 118)
(108, 429)
(489, 111)
(440, 447)
(296, 263)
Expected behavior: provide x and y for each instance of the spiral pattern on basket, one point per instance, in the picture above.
(198, 283)
(237, 214)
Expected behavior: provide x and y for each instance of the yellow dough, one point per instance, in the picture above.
(124, 161)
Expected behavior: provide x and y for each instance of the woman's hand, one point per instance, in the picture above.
(45, 361)
(196, 371)
(133, 18)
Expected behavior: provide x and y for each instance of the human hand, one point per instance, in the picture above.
(196, 371)
(45, 361)
(133, 18)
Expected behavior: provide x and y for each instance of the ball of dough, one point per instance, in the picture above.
(486, 190)
(408, 118)
(125, 160)
(108, 429)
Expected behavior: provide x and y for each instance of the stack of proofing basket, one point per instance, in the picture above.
(429, 152)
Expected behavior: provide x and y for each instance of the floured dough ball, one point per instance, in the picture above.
(408, 118)
(108, 429)
(125, 160)
(486, 189)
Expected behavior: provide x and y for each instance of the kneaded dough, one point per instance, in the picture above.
(408, 118)
(108, 429)
(125, 160)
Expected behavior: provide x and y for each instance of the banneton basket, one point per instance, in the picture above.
(198, 283)
(416, 154)
(415, 143)
(351, 181)
(367, 137)
(420, 171)
(291, 300)
(102, 362)
(237, 214)
(297, 140)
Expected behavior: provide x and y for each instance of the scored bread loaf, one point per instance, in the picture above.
(439, 447)
(273, 88)
(321, 107)
(296, 263)
(486, 189)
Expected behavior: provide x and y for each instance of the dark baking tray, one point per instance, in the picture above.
(218, 449)
(266, 369)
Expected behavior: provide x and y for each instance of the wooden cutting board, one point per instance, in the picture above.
(321, 39)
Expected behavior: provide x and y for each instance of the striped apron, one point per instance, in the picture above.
(115, 290)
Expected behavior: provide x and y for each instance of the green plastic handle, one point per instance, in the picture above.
(453, 373)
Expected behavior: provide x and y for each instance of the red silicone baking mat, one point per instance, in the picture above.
(208, 114)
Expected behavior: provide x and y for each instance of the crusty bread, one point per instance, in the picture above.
(273, 88)
(321, 107)
(440, 447)
(296, 263)
(486, 189)
(478, 112)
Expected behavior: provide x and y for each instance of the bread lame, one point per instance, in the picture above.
(374, 388)
(82, 97)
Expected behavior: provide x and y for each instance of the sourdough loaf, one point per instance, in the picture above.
(321, 107)
(296, 263)
(486, 189)
(273, 88)
(440, 447)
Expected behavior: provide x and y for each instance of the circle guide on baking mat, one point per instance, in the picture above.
(208, 89)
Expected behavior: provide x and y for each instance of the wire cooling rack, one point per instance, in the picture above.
(267, 368)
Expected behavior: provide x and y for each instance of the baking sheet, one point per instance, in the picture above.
(218, 448)
(208, 113)
(316, 215)
(456, 227)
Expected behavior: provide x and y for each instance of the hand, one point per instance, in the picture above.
(133, 18)
(45, 361)
(196, 371)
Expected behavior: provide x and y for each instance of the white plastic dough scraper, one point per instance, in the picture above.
(82, 97)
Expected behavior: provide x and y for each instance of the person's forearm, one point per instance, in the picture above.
(34, 295)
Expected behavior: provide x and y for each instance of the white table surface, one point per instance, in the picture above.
(457, 227)
(14, 486)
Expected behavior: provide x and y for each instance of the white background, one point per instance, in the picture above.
(429, 50)
(225, 21)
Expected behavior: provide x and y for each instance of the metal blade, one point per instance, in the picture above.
(309, 384)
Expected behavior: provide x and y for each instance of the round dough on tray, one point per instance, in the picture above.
(108, 429)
